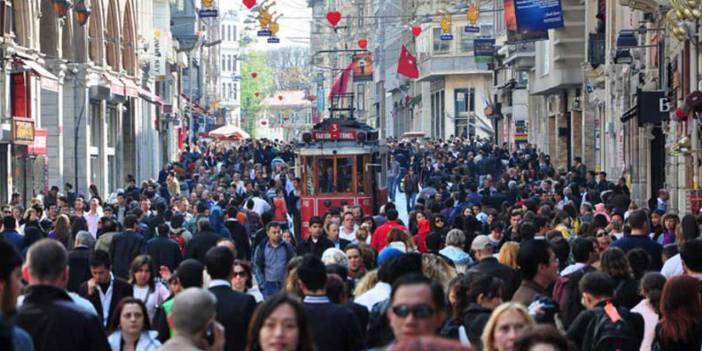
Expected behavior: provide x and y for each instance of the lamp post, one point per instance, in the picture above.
(61, 7)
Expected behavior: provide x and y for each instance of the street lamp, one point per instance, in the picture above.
(61, 7)
(82, 12)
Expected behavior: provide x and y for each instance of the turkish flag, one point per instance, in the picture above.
(407, 65)
(341, 84)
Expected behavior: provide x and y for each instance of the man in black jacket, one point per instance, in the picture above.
(79, 261)
(334, 327)
(126, 246)
(234, 309)
(316, 243)
(103, 290)
(597, 289)
(204, 240)
(48, 314)
(482, 249)
(164, 251)
(239, 234)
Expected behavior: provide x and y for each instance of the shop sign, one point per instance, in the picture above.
(22, 131)
(40, 142)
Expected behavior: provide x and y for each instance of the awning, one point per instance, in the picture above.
(131, 89)
(116, 86)
(150, 97)
(48, 80)
(229, 132)
(629, 114)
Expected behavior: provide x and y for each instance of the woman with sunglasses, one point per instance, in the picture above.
(602, 239)
(242, 280)
(438, 225)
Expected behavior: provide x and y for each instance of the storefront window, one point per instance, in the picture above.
(325, 167)
(95, 126)
(344, 174)
(360, 171)
(111, 126)
(309, 176)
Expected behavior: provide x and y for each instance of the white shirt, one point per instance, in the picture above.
(572, 268)
(344, 235)
(379, 292)
(93, 220)
(219, 282)
(260, 205)
(673, 267)
(151, 298)
(106, 299)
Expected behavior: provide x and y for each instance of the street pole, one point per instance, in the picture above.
(191, 138)
(693, 87)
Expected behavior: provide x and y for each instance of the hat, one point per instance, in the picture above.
(481, 242)
(387, 253)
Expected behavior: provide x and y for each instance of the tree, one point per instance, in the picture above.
(263, 84)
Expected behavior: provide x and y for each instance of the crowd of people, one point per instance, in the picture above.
(497, 251)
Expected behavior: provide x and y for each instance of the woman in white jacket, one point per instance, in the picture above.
(129, 329)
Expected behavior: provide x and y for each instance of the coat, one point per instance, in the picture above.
(234, 312)
(197, 247)
(78, 267)
(45, 315)
(120, 290)
(334, 327)
(147, 341)
(241, 239)
(308, 246)
(165, 252)
(259, 259)
(124, 248)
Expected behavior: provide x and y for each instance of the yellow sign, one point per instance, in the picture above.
(446, 24)
(207, 3)
(473, 14)
(274, 28)
(22, 131)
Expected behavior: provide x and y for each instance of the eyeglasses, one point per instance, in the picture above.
(439, 221)
(241, 274)
(601, 234)
(419, 311)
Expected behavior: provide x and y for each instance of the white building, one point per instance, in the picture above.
(230, 31)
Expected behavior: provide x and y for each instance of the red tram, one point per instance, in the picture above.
(341, 162)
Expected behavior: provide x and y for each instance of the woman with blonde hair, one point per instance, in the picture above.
(508, 254)
(366, 283)
(438, 270)
(506, 324)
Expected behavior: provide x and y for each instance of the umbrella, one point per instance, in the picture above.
(229, 132)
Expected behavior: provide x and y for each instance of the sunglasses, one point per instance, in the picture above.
(240, 274)
(418, 311)
(439, 221)
(601, 234)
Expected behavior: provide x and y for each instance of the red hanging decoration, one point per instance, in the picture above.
(254, 75)
(362, 43)
(249, 3)
(280, 97)
(416, 31)
(257, 94)
(334, 17)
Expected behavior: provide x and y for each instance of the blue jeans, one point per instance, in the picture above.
(271, 288)
(392, 187)
(411, 199)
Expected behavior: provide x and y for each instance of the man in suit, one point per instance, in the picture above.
(126, 246)
(201, 242)
(164, 251)
(79, 261)
(234, 309)
(103, 290)
(316, 243)
(335, 327)
(239, 234)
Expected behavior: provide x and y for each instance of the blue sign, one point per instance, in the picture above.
(265, 33)
(538, 15)
(208, 13)
(273, 40)
(446, 37)
(471, 29)
(484, 47)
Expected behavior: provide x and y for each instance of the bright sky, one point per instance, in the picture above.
(294, 23)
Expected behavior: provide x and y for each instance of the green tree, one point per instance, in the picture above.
(263, 84)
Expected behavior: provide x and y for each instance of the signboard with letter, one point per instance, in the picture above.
(22, 131)
(39, 145)
(538, 15)
(652, 106)
(273, 40)
(484, 47)
(515, 35)
(208, 9)
(158, 55)
(363, 67)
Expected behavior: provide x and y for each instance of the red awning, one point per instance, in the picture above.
(116, 85)
(49, 81)
(131, 89)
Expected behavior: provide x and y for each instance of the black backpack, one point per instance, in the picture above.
(610, 335)
(566, 293)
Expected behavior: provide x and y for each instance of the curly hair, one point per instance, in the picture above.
(615, 263)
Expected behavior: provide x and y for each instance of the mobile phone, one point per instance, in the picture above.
(210, 335)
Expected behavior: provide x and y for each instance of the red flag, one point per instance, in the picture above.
(341, 84)
(407, 65)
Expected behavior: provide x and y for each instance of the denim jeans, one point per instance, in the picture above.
(271, 288)
(411, 199)
(392, 187)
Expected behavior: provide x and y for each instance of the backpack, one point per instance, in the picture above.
(610, 331)
(566, 293)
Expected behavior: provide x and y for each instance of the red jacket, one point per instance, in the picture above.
(380, 235)
(423, 230)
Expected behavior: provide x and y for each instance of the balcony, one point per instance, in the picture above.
(520, 55)
(437, 67)
(596, 49)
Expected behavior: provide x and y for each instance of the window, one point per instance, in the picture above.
(546, 57)
(308, 117)
(224, 62)
(111, 173)
(440, 47)
(466, 42)
(111, 126)
(223, 28)
(360, 97)
(229, 64)
(94, 169)
(325, 169)
(234, 91)
(360, 171)
(233, 33)
(309, 176)
(229, 33)
(344, 174)
(95, 126)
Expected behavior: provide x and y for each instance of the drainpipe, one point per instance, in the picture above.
(76, 130)
(695, 136)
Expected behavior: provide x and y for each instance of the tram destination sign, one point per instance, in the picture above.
(330, 135)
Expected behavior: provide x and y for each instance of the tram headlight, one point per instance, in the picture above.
(361, 137)
(307, 137)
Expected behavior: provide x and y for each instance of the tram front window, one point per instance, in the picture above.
(344, 174)
(326, 175)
